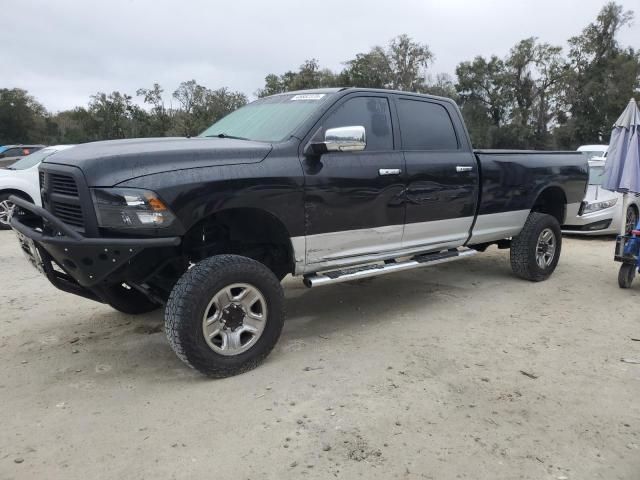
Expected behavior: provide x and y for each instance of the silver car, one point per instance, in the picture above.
(602, 212)
(12, 153)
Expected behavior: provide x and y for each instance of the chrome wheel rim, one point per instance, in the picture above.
(234, 319)
(546, 248)
(6, 210)
(631, 220)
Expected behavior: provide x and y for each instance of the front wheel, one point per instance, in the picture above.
(536, 250)
(626, 275)
(225, 315)
(6, 210)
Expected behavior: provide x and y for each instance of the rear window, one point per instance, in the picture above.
(425, 126)
(13, 152)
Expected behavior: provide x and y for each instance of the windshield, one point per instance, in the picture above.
(595, 175)
(270, 119)
(32, 160)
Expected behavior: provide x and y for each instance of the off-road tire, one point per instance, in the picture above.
(192, 293)
(127, 300)
(626, 275)
(524, 245)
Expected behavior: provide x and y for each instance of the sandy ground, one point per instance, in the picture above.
(413, 375)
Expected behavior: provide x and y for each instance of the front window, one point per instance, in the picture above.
(595, 175)
(372, 113)
(32, 160)
(270, 119)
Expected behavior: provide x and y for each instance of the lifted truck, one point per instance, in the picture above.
(329, 185)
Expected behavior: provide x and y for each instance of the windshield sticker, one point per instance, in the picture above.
(308, 96)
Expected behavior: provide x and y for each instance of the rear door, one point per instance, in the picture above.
(353, 200)
(441, 175)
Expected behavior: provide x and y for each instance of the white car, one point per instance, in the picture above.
(602, 211)
(594, 151)
(21, 179)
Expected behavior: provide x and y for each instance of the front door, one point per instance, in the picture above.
(442, 176)
(353, 200)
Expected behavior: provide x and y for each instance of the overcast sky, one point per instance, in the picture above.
(63, 51)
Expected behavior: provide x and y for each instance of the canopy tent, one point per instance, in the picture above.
(622, 170)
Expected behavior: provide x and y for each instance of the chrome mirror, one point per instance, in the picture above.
(341, 139)
(345, 139)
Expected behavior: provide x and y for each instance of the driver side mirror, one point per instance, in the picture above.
(341, 139)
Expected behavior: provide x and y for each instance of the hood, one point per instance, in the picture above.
(108, 163)
(595, 193)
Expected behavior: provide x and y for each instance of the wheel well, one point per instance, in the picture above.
(17, 193)
(552, 201)
(249, 232)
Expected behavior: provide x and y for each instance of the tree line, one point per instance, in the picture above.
(538, 96)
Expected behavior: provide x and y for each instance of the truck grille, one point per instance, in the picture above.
(64, 196)
(68, 213)
(63, 184)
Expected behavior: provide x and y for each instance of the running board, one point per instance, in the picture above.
(373, 270)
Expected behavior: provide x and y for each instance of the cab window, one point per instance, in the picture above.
(425, 126)
(372, 113)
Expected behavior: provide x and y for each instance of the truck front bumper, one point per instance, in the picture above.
(83, 262)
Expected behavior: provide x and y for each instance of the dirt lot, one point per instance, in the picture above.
(414, 375)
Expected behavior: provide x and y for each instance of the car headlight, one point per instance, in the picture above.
(130, 208)
(594, 207)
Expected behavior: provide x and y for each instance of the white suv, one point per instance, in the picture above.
(21, 179)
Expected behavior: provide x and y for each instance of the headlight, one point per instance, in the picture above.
(594, 207)
(130, 208)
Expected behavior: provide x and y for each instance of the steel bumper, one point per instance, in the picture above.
(85, 262)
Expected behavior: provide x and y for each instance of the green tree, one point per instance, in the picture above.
(602, 78)
(533, 74)
(408, 61)
(402, 65)
(442, 86)
(368, 70)
(22, 118)
(309, 75)
(200, 107)
(482, 91)
(160, 117)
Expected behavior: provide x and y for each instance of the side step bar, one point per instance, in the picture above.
(373, 270)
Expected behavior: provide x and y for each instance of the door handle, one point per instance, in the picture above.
(460, 169)
(389, 171)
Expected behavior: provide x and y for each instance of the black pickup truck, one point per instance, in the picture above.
(329, 185)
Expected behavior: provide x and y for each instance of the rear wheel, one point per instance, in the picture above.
(631, 219)
(225, 315)
(536, 250)
(626, 275)
(127, 299)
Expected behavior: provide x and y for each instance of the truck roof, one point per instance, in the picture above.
(358, 89)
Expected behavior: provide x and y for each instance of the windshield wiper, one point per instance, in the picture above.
(224, 135)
